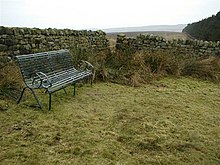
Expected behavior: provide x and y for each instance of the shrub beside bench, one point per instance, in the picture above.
(51, 71)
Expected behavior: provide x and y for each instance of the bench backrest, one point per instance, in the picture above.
(47, 62)
(60, 60)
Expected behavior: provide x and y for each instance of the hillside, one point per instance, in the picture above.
(206, 29)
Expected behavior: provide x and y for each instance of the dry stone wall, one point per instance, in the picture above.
(14, 41)
(156, 43)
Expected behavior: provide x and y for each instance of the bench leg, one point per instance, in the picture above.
(50, 101)
(36, 98)
(74, 90)
(65, 91)
(91, 79)
(22, 93)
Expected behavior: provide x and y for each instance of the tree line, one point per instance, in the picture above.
(207, 29)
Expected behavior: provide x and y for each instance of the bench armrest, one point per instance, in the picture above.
(87, 66)
(45, 82)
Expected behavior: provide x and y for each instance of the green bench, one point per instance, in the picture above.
(51, 71)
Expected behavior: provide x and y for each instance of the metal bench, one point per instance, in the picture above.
(51, 71)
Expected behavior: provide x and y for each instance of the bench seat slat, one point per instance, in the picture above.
(59, 79)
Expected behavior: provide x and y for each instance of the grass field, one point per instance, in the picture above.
(171, 121)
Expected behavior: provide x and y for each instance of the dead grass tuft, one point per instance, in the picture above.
(207, 68)
(10, 78)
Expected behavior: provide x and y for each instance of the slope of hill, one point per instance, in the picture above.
(206, 29)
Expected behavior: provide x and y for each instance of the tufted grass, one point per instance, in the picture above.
(171, 121)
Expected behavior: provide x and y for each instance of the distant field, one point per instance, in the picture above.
(172, 121)
(167, 35)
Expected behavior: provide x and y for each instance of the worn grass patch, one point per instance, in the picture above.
(171, 121)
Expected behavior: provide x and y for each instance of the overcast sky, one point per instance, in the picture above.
(101, 14)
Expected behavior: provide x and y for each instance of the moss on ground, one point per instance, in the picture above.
(171, 121)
